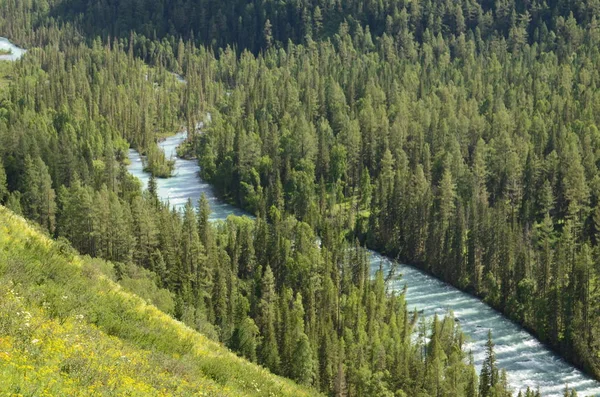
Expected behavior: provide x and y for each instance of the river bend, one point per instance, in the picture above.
(526, 360)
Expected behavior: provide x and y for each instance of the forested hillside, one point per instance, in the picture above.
(470, 149)
(475, 159)
(256, 25)
(459, 136)
(66, 328)
(265, 290)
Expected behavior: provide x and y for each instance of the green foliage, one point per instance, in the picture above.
(67, 329)
(157, 164)
(3, 186)
(428, 143)
(490, 376)
(458, 136)
(143, 283)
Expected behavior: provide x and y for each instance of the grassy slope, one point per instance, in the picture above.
(66, 329)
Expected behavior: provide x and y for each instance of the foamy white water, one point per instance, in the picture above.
(528, 362)
(15, 52)
(185, 183)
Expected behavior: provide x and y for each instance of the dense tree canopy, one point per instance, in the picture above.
(459, 136)
(473, 158)
(265, 289)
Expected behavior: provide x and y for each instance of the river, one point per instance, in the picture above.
(184, 184)
(15, 52)
(526, 360)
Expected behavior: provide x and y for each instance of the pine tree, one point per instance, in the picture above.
(3, 187)
(204, 229)
(145, 231)
(472, 381)
(245, 338)
(435, 360)
(119, 237)
(14, 203)
(302, 367)
(220, 294)
(39, 196)
(153, 191)
(366, 190)
(75, 221)
(296, 344)
(318, 22)
(268, 351)
(194, 273)
(489, 372)
(268, 34)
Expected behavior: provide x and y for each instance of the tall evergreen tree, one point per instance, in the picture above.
(489, 377)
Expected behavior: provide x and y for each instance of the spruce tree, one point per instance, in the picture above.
(268, 351)
(489, 372)
(3, 186)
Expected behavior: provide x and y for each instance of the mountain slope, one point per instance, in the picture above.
(66, 329)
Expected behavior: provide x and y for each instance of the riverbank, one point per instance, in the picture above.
(184, 184)
(476, 318)
(587, 377)
(528, 362)
(515, 343)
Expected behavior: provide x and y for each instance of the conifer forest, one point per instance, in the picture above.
(458, 137)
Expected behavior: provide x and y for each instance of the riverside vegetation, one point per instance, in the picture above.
(266, 290)
(460, 136)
